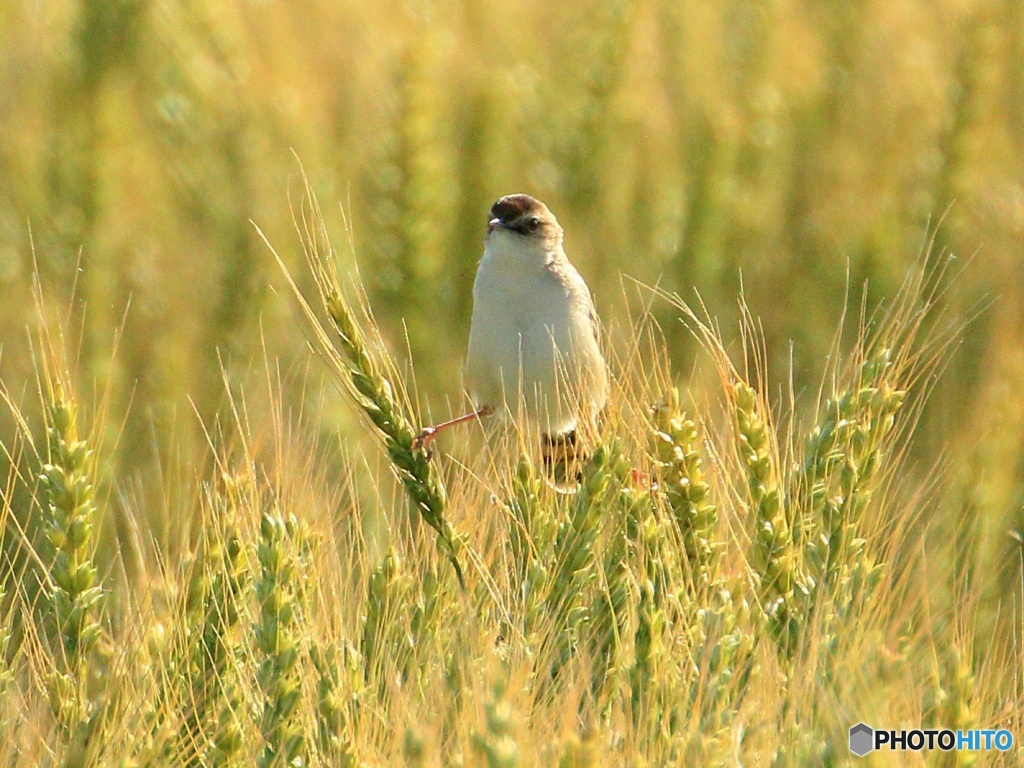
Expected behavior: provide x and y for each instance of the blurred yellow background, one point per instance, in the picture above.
(789, 148)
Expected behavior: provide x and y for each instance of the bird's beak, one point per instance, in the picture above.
(494, 224)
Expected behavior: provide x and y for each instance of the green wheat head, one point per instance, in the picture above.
(76, 597)
(363, 377)
(278, 635)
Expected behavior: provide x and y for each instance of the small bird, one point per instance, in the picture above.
(534, 348)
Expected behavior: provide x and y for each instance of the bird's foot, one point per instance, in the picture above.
(423, 440)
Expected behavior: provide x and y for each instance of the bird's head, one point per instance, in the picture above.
(524, 222)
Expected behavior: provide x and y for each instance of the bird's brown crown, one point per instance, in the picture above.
(511, 207)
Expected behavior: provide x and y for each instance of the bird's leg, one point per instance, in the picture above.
(429, 434)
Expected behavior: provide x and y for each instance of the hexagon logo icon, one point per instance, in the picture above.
(862, 739)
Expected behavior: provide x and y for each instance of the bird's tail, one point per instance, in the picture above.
(564, 456)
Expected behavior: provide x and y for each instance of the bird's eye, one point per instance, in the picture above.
(532, 224)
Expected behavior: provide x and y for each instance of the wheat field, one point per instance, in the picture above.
(237, 244)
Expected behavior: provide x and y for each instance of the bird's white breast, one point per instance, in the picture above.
(532, 337)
